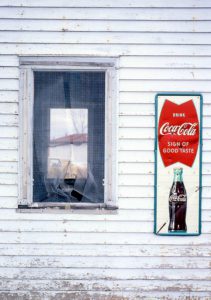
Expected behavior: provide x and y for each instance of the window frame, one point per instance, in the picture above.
(28, 65)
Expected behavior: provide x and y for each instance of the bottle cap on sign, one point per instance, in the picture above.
(178, 169)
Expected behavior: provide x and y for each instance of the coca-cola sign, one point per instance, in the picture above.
(178, 159)
(178, 133)
(183, 129)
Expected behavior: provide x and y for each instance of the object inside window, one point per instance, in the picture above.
(69, 137)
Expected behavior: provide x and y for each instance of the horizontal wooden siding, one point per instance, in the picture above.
(162, 46)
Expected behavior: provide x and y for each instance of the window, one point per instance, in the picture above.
(67, 143)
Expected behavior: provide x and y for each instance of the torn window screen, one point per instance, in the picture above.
(68, 136)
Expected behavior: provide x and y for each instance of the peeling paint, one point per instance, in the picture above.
(106, 254)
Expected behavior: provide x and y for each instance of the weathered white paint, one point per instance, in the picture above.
(106, 3)
(107, 13)
(105, 26)
(105, 49)
(106, 37)
(163, 45)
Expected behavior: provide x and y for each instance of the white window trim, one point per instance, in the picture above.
(27, 67)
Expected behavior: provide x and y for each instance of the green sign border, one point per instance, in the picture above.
(155, 165)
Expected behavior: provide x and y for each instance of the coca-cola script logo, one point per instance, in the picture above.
(178, 198)
(183, 129)
(178, 133)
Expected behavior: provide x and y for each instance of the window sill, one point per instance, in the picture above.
(86, 208)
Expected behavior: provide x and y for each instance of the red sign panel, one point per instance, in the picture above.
(178, 133)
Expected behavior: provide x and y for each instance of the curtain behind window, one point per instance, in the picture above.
(69, 90)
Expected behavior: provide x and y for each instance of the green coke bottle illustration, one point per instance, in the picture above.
(177, 203)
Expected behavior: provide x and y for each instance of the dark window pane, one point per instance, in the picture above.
(68, 136)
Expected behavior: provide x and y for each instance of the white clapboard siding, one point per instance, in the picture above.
(136, 156)
(8, 132)
(148, 191)
(168, 85)
(148, 168)
(101, 238)
(8, 120)
(8, 179)
(9, 84)
(137, 109)
(148, 180)
(147, 121)
(149, 97)
(141, 144)
(167, 74)
(11, 190)
(106, 38)
(105, 49)
(8, 167)
(123, 215)
(84, 226)
(8, 96)
(148, 203)
(119, 13)
(149, 109)
(161, 46)
(8, 108)
(9, 61)
(106, 251)
(184, 62)
(148, 144)
(9, 72)
(136, 121)
(106, 3)
(148, 156)
(107, 295)
(8, 148)
(103, 26)
(91, 274)
(149, 133)
(91, 285)
(136, 168)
